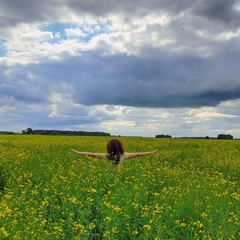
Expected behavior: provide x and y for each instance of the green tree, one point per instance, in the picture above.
(27, 131)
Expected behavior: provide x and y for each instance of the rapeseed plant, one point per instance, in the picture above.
(190, 190)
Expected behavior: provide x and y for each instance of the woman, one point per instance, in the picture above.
(115, 153)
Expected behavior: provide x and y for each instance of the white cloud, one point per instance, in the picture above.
(204, 114)
(75, 33)
(228, 35)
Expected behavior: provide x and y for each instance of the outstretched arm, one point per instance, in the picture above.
(139, 154)
(90, 154)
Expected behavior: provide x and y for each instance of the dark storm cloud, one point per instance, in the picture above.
(221, 10)
(166, 81)
(127, 7)
(20, 84)
(27, 11)
(15, 11)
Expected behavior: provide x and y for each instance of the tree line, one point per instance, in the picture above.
(64, 132)
(6, 132)
(225, 136)
(85, 133)
(220, 136)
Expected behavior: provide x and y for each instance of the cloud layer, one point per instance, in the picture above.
(149, 67)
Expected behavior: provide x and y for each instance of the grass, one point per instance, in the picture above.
(189, 190)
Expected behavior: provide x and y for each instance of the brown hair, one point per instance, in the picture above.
(114, 150)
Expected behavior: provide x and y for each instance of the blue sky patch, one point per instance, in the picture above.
(57, 29)
(3, 50)
(61, 31)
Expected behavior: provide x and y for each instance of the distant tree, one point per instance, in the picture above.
(163, 136)
(27, 131)
(207, 137)
(224, 136)
(6, 132)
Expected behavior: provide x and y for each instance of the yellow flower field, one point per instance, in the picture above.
(189, 190)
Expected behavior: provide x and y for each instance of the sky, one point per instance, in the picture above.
(130, 68)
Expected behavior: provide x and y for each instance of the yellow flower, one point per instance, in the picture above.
(203, 215)
(89, 199)
(147, 227)
(91, 226)
(114, 230)
(108, 219)
(93, 190)
(198, 224)
(73, 200)
(44, 221)
(106, 234)
(3, 232)
(235, 196)
(58, 229)
(183, 225)
(117, 209)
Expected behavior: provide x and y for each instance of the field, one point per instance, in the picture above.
(189, 190)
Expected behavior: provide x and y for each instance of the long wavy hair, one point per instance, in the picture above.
(114, 150)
